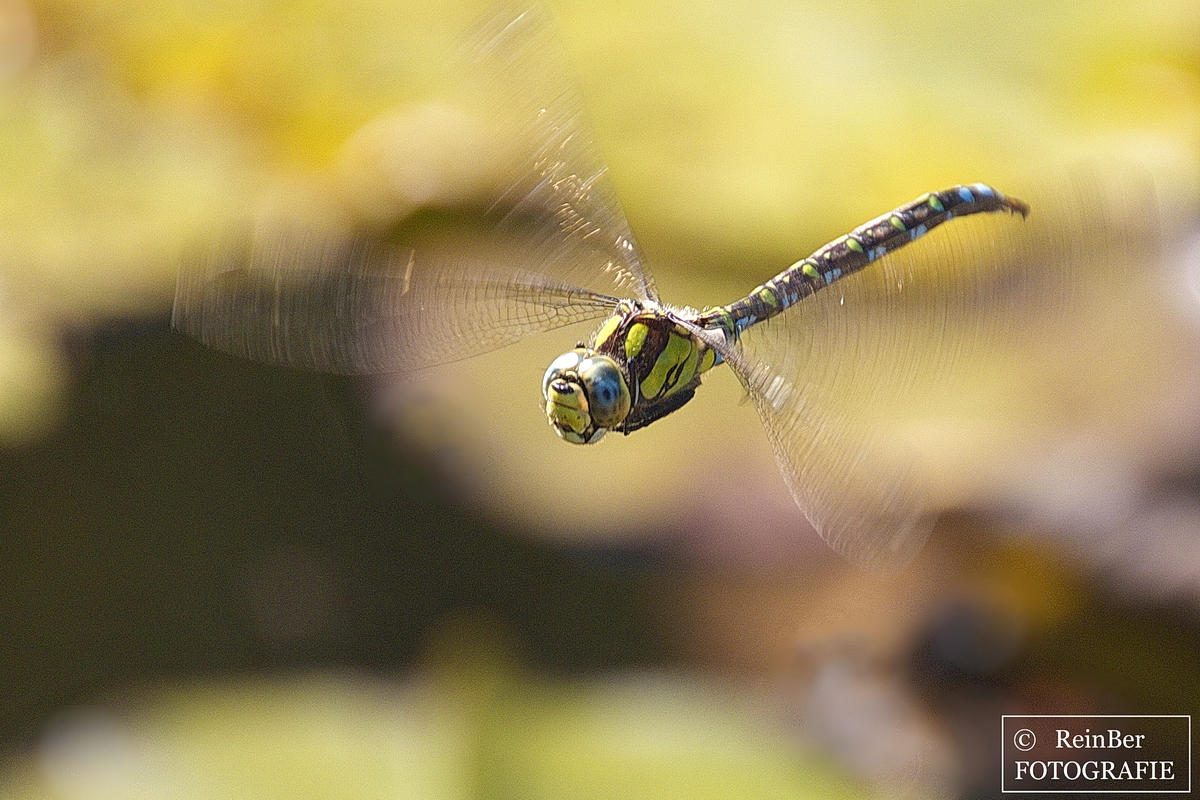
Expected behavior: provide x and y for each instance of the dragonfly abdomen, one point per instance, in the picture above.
(850, 253)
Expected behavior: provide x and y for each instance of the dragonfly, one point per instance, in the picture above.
(550, 247)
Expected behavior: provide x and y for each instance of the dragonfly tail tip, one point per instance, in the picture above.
(1016, 206)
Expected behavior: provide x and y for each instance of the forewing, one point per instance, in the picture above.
(544, 245)
(365, 305)
(516, 68)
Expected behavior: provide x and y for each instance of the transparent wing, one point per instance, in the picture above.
(545, 245)
(365, 305)
(843, 380)
(514, 64)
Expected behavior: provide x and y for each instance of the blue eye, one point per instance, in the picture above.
(608, 396)
(604, 392)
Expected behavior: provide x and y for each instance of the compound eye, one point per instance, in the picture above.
(567, 362)
(607, 394)
(585, 395)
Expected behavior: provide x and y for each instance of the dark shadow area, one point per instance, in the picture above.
(195, 514)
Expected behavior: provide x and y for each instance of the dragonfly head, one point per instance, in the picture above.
(585, 395)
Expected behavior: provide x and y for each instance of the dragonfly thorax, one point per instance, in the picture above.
(585, 394)
(642, 364)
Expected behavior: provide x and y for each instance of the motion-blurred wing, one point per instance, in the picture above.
(850, 380)
(547, 246)
(514, 64)
(362, 306)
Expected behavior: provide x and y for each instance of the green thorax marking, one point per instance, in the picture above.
(661, 359)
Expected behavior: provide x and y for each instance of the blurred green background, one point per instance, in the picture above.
(222, 579)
